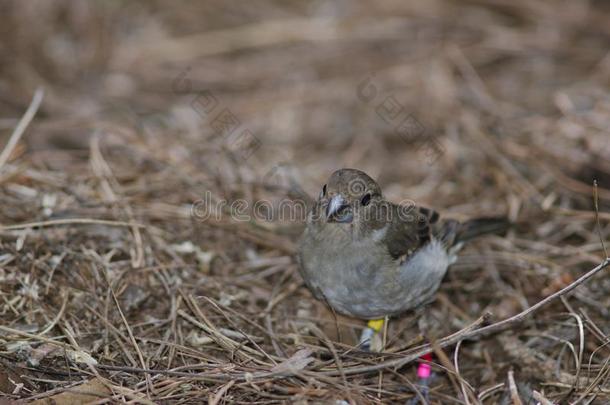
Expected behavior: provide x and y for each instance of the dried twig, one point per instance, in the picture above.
(21, 126)
(69, 221)
(598, 225)
(512, 387)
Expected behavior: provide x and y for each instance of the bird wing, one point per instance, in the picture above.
(407, 233)
(409, 229)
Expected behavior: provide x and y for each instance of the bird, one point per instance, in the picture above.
(371, 259)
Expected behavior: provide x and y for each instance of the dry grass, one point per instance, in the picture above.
(111, 288)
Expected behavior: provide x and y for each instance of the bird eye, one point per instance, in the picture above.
(323, 192)
(366, 199)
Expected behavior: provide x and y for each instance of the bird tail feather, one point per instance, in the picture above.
(454, 234)
(481, 226)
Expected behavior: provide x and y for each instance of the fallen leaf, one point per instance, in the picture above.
(295, 363)
(41, 352)
(84, 393)
(79, 356)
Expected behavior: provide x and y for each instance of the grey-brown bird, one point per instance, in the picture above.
(369, 258)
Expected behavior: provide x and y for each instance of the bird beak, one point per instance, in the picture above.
(335, 205)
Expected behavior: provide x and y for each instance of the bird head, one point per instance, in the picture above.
(347, 195)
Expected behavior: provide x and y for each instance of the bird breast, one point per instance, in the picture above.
(359, 277)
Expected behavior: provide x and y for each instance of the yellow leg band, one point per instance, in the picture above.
(375, 324)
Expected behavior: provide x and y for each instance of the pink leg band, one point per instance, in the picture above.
(424, 370)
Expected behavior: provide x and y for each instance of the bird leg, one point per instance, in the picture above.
(366, 337)
(424, 375)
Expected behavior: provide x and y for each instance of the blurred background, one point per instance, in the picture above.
(150, 108)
